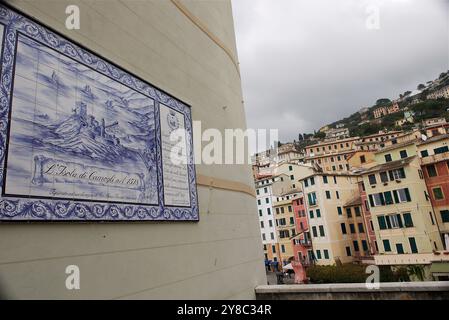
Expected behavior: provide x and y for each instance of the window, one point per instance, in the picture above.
(388, 158)
(282, 209)
(270, 222)
(306, 183)
(340, 212)
(324, 179)
(372, 179)
(337, 194)
(257, 191)
(408, 222)
(292, 220)
(277, 210)
(438, 193)
(399, 248)
(269, 211)
(318, 213)
(321, 231)
(356, 245)
(292, 177)
(387, 246)
(413, 246)
(348, 251)
(312, 181)
(272, 235)
(265, 190)
(267, 200)
(261, 224)
(388, 198)
(441, 150)
(444, 215)
(258, 202)
(397, 174)
(326, 254)
(352, 227)
(318, 254)
(364, 245)
(431, 218)
(290, 209)
(260, 212)
(290, 168)
(424, 153)
(402, 195)
(377, 199)
(362, 159)
(273, 248)
(348, 212)
(282, 248)
(343, 228)
(382, 223)
(403, 154)
(357, 211)
(328, 194)
(335, 179)
(312, 198)
(383, 177)
(311, 214)
(264, 237)
(314, 232)
(431, 171)
(361, 229)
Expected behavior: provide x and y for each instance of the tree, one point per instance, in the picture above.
(421, 86)
(382, 101)
(320, 135)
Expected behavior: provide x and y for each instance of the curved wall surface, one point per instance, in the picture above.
(186, 48)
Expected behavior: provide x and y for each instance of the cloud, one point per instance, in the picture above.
(305, 64)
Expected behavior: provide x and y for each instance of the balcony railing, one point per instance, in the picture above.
(435, 158)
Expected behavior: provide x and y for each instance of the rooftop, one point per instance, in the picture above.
(391, 165)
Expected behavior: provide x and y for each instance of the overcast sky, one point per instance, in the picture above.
(307, 63)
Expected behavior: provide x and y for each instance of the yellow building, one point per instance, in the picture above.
(285, 223)
(402, 214)
(330, 226)
(331, 156)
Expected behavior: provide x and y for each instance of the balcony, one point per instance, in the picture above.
(435, 158)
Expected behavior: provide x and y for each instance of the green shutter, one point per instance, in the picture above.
(399, 220)
(413, 246)
(371, 201)
(387, 246)
(408, 222)
(388, 197)
(396, 196)
(381, 220)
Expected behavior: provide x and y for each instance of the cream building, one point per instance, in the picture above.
(333, 238)
(402, 214)
(188, 49)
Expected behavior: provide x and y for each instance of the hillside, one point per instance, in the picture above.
(363, 123)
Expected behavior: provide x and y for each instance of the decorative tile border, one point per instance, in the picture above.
(25, 208)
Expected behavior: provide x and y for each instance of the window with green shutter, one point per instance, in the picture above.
(311, 214)
(318, 254)
(314, 232)
(321, 231)
(318, 213)
(340, 212)
(387, 246)
(399, 248)
(326, 254)
(364, 245)
(396, 196)
(413, 246)
(400, 224)
(382, 224)
(356, 245)
(388, 197)
(445, 215)
(408, 222)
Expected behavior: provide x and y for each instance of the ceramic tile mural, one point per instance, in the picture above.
(83, 139)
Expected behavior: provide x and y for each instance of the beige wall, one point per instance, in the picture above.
(219, 257)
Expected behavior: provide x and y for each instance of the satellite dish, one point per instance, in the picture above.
(423, 137)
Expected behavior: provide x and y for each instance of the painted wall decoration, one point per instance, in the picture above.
(82, 139)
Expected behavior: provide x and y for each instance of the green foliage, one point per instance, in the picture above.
(430, 109)
(320, 135)
(365, 129)
(416, 271)
(383, 101)
(353, 273)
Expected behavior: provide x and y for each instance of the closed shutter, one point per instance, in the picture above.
(381, 220)
(407, 195)
(398, 216)
(371, 200)
(395, 195)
